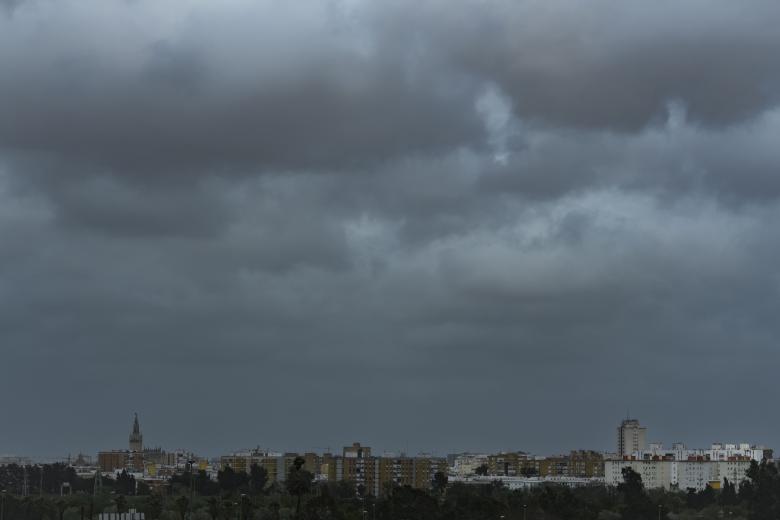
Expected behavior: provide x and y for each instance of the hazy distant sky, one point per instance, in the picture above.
(427, 225)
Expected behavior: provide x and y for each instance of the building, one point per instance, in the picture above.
(111, 461)
(130, 515)
(514, 483)
(150, 462)
(136, 439)
(681, 468)
(580, 463)
(277, 465)
(466, 464)
(679, 474)
(585, 464)
(425, 468)
(130, 460)
(511, 464)
(371, 475)
(716, 451)
(631, 437)
(360, 467)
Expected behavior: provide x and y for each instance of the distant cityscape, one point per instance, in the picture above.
(671, 468)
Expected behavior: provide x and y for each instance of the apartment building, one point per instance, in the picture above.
(679, 474)
(580, 463)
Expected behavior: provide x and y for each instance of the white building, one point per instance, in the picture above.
(717, 451)
(514, 483)
(130, 515)
(466, 464)
(679, 474)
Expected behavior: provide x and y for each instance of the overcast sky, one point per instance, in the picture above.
(427, 225)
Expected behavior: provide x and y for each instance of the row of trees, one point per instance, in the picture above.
(236, 496)
(53, 479)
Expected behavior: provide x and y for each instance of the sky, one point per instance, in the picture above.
(438, 225)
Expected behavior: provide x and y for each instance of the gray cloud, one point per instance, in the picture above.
(407, 225)
(617, 66)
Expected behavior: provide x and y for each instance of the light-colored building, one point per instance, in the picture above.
(514, 483)
(466, 464)
(631, 437)
(130, 515)
(717, 451)
(679, 474)
(682, 468)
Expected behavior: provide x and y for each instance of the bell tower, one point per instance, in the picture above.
(136, 439)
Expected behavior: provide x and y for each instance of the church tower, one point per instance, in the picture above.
(136, 439)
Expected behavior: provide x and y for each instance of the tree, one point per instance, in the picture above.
(762, 491)
(636, 504)
(320, 507)
(258, 478)
(121, 504)
(299, 482)
(213, 504)
(61, 507)
(361, 490)
(409, 504)
(275, 509)
(182, 504)
(227, 506)
(439, 482)
(247, 506)
(728, 496)
(482, 470)
(154, 506)
(125, 483)
(231, 481)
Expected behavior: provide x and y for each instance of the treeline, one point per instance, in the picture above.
(59, 478)
(240, 496)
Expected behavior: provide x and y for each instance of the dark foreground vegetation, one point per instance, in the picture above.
(237, 496)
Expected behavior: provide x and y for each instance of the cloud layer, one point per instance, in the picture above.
(455, 225)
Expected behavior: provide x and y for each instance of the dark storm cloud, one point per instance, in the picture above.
(367, 216)
(225, 93)
(619, 65)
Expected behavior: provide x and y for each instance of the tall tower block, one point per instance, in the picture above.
(631, 437)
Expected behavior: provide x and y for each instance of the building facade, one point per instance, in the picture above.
(371, 475)
(580, 463)
(631, 437)
(679, 474)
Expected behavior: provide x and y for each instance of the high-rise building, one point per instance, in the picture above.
(631, 437)
(136, 439)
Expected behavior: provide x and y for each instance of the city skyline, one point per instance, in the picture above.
(427, 226)
(136, 443)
